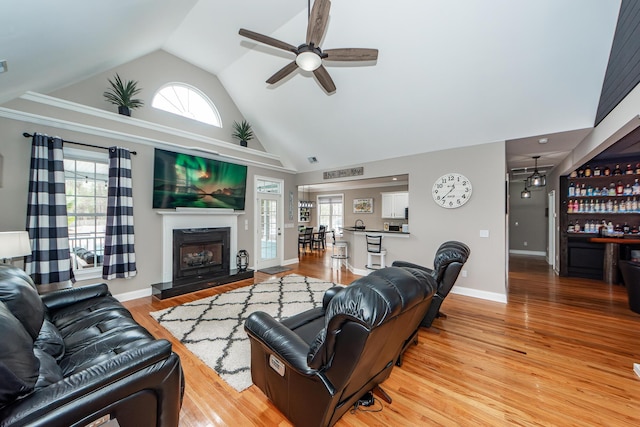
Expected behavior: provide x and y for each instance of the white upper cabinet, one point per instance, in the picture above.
(394, 204)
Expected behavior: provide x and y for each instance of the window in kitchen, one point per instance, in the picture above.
(187, 101)
(331, 211)
(86, 181)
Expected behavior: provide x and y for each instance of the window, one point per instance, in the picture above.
(86, 181)
(331, 211)
(187, 101)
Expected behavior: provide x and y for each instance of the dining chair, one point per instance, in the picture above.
(305, 239)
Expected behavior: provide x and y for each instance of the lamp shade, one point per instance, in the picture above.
(14, 244)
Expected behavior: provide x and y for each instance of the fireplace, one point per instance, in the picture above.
(208, 262)
(200, 253)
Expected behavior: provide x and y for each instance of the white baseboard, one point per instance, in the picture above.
(475, 293)
(290, 261)
(533, 253)
(128, 296)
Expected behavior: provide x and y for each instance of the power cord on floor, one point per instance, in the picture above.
(367, 401)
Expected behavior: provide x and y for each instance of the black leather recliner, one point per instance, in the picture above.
(76, 356)
(448, 261)
(314, 366)
(631, 276)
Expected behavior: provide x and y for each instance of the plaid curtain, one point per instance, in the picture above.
(119, 255)
(50, 259)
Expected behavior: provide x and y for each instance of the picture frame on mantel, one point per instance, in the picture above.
(363, 205)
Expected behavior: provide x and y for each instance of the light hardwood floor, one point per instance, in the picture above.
(559, 353)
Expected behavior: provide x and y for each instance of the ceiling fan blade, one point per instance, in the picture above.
(267, 40)
(324, 78)
(282, 73)
(351, 54)
(318, 21)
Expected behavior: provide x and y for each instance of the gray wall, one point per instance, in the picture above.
(430, 225)
(94, 130)
(527, 221)
(372, 220)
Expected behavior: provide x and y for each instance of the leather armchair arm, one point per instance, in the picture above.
(64, 297)
(279, 339)
(329, 294)
(411, 265)
(88, 391)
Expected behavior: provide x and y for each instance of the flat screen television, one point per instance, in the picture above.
(183, 180)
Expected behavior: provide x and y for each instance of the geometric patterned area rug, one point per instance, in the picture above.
(213, 328)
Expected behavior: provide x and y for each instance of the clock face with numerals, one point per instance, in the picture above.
(451, 190)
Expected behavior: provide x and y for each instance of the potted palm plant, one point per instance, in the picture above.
(243, 132)
(121, 93)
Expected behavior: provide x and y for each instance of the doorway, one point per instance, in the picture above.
(269, 222)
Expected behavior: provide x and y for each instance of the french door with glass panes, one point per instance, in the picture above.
(269, 222)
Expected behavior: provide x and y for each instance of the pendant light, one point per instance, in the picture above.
(536, 179)
(525, 194)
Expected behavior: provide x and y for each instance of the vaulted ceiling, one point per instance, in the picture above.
(449, 73)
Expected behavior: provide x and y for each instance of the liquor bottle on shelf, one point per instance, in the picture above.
(615, 207)
(596, 206)
(635, 189)
(634, 205)
(583, 190)
(612, 189)
(609, 205)
(570, 206)
(571, 228)
(576, 227)
(597, 171)
(592, 206)
(627, 191)
(622, 207)
(629, 206)
(637, 168)
(619, 188)
(607, 171)
(628, 171)
(572, 189)
(625, 228)
(580, 172)
(590, 190)
(581, 206)
(617, 170)
(604, 191)
(587, 171)
(573, 174)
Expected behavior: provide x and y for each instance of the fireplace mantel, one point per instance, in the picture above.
(195, 218)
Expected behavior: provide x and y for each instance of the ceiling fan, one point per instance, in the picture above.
(309, 55)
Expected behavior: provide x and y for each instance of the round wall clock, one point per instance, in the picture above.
(451, 190)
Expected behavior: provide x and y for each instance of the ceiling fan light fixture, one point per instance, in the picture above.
(308, 61)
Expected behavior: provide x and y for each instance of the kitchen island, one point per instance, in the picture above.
(392, 241)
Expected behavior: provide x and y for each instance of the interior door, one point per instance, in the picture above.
(269, 223)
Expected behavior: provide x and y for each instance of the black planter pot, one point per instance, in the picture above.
(243, 143)
(125, 111)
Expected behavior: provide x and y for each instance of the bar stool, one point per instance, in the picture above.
(374, 248)
(340, 251)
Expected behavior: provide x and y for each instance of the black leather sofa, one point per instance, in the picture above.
(315, 365)
(76, 356)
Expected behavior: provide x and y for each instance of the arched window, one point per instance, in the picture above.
(187, 101)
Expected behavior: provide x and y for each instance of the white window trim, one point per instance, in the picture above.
(199, 93)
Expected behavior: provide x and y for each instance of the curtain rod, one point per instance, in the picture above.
(28, 135)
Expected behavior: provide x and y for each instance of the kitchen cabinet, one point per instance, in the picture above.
(394, 204)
